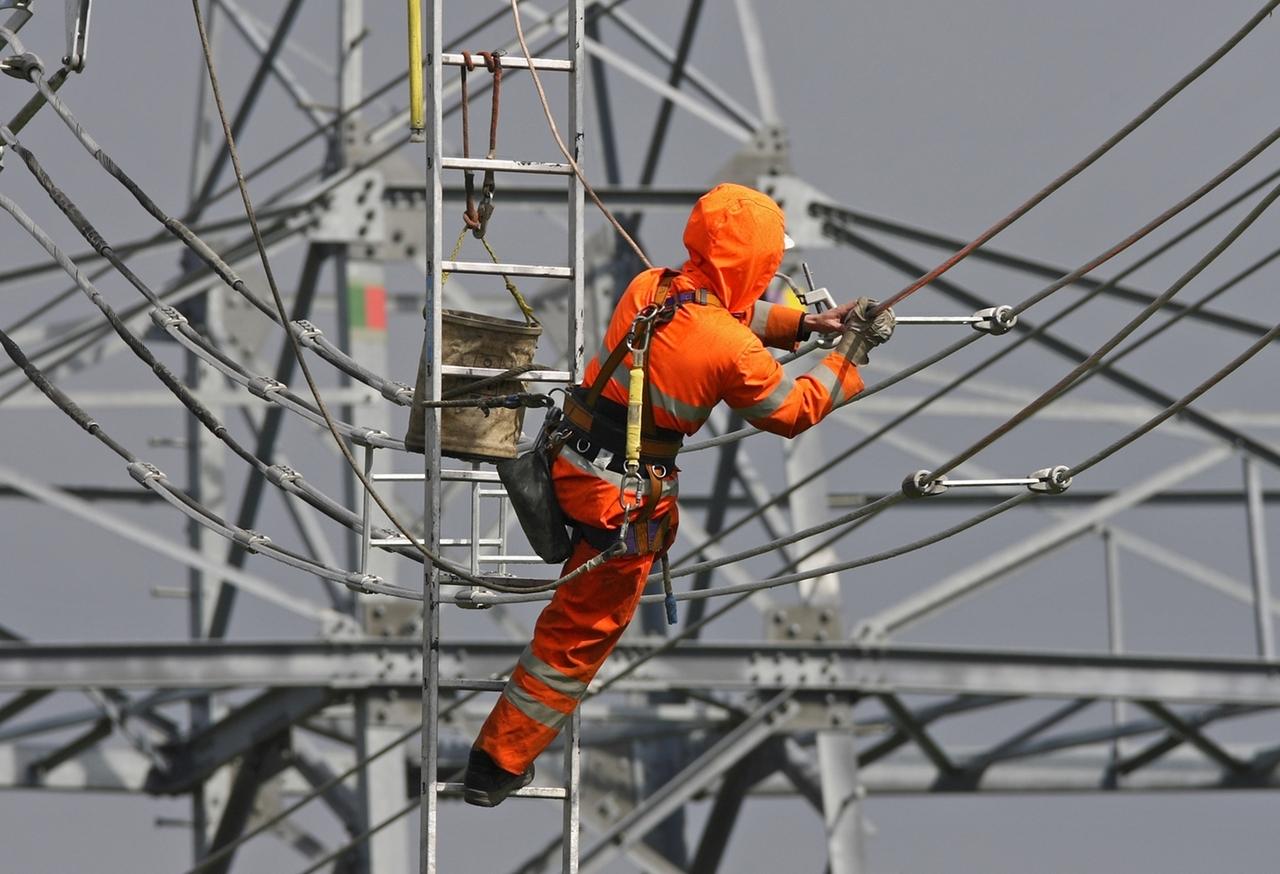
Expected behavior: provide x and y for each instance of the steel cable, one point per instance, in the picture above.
(292, 483)
(188, 506)
(434, 558)
(1058, 284)
(1084, 163)
(1132, 325)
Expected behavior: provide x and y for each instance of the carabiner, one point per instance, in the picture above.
(638, 335)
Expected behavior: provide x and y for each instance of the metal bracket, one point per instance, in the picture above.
(352, 212)
(167, 317)
(305, 332)
(919, 485)
(249, 539)
(19, 14)
(995, 320)
(992, 320)
(820, 299)
(77, 34)
(23, 66)
(1052, 480)
(1049, 480)
(282, 475)
(365, 436)
(145, 472)
(397, 392)
(264, 386)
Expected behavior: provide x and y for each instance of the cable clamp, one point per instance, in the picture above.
(23, 66)
(144, 472)
(305, 332)
(995, 320)
(249, 539)
(264, 387)
(365, 436)
(397, 392)
(362, 583)
(1052, 480)
(167, 317)
(282, 475)
(920, 485)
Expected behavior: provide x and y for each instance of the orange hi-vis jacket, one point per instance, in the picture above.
(710, 353)
(707, 353)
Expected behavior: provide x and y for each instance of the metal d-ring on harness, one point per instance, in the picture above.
(477, 217)
(594, 423)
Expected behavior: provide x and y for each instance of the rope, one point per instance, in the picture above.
(564, 150)
(434, 558)
(530, 319)
(183, 502)
(845, 235)
(1092, 360)
(1084, 163)
(1181, 404)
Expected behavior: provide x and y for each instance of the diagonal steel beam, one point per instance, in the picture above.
(264, 447)
(723, 817)
(266, 715)
(697, 775)
(1069, 351)
(915, 730)
(252, 32)
(145, 538)
(1033, 267)
(251, 93)
(259, 764)
(21, 702)
(947, 591)
(97, 733)
(1190, 733)
(1011, 745)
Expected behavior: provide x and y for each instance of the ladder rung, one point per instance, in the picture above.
(448, 541)
(484, 476)
(530, 376)
(526, 792)
(506, 166)
(454, 59)
(510, 559)
(483, 267)
(473, 685)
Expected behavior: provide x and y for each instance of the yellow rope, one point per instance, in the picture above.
(529, 318)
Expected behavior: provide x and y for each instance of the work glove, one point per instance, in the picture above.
(863, 332)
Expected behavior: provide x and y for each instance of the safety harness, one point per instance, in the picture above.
(641, 452)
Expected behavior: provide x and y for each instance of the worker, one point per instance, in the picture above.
(711, 349)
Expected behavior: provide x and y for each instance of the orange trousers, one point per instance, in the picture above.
(574, 634)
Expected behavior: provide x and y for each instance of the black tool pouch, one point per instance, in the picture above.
(527, 480)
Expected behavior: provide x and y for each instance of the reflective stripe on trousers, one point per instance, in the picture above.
(574, 634)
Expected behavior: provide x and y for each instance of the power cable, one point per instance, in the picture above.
(1092, 264)
(564, 150)
(151, 478)
(1092, 360)
(434, 558)
(1084, 163)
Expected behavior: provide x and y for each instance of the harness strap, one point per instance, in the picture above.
(643, 538)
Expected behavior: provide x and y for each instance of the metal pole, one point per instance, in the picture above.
(577, 235)
(842, 796)
(1258, 560)
(572, 797)
(431, 447)
(1115, 627)
(201, 142)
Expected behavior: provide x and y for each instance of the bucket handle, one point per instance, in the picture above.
(529, 318)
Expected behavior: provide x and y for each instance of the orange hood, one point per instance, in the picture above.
(734, 238)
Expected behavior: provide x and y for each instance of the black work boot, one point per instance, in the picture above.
(486, 784)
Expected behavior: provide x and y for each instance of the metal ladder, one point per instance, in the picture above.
(434, 474)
